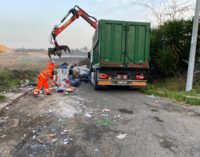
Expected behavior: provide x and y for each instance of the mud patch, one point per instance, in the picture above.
(123, 110)
(168, 144)
(154, 110)
(158, 119)
(93, 132)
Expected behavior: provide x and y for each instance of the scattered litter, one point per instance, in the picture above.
(50, 111)
(32, 83)
(7, 108)
(16, 122)
(54, 140)
(67, 140)
(3, 136)
(121, 136)
(88, 115)
(151, 96)
(96, 150)
(105, 115)
(60, 120)
(106, 110)
(23, 137)
(6, 117)
(70, 89)
(60, 91)
(39, 140)
(34, 137)
(65, 132)
(157, 101)
(51, 135)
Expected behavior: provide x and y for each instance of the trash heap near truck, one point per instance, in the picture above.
(120, 54)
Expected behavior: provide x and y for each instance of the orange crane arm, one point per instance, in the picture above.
(76, 13)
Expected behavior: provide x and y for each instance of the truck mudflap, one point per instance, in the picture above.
(136, 83)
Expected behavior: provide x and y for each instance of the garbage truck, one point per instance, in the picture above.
(120, 54)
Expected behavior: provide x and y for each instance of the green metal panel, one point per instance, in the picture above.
(121, 43)
(136, 44)
(112, 41)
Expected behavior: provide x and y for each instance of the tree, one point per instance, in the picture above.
(170, 44)
(167, 10)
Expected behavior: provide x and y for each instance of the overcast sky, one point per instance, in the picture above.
(28, 23)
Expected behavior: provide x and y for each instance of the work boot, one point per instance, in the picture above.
(48, 93)
(35, 93)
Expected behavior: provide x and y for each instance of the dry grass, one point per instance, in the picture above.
(3, 48)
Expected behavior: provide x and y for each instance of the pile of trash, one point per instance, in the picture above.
(3, 48)
(70, 77)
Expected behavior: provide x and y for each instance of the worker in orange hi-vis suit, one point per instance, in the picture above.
(44, 77)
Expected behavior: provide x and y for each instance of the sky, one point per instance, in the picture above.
(28, 23)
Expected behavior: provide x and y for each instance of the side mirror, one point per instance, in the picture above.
(89, 55)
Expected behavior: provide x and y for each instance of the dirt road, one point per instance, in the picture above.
(132, 125)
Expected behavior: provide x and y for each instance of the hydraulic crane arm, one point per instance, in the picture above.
(76, 13)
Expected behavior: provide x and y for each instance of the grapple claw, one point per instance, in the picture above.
(57, 51)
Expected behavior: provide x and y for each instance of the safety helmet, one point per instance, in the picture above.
(51, 65)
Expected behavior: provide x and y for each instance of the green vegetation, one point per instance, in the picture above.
(170, 45)
(174, 88)
(12, 78)
(2, 98)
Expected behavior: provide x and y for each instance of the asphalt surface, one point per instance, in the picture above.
(74, 125)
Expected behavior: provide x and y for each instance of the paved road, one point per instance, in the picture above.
(75, 126)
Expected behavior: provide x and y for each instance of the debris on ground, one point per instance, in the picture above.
(32, 84)
(121, 136)
(104, 122)
(152, 96)
(106, 110)
(84, 73)
(51, 136)
(87, 115)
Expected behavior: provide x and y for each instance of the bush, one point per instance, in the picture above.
(170, 45)
(12, 78)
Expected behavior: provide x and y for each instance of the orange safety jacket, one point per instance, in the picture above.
(46, 75)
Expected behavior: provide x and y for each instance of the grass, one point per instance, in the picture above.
(2, 98)
(174, 88)
(12, 78)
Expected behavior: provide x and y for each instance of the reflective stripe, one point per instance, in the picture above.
(43, 75)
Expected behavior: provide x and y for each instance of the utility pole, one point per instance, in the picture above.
(193, 46)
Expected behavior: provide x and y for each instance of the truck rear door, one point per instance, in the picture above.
(112, 44)
(137, 44)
